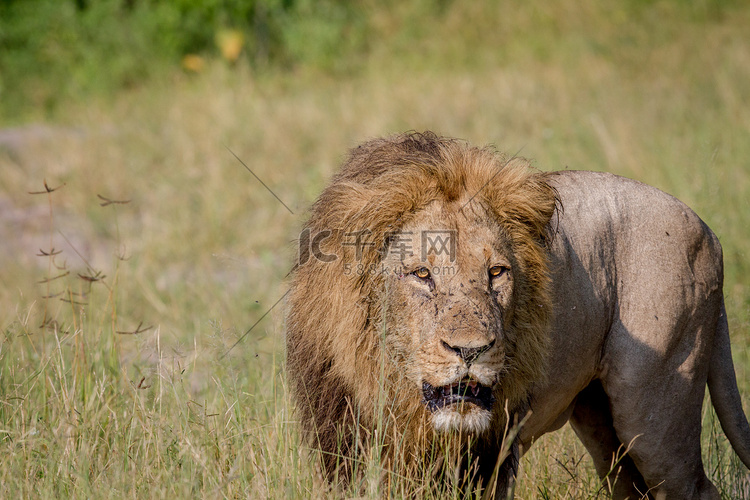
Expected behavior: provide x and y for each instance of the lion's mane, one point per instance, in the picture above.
(343, 384)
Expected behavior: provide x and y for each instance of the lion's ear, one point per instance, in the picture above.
(544, 225)
(527, 203)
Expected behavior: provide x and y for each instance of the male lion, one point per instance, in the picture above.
(444, 292)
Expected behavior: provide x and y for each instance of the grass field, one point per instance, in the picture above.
(145, 359)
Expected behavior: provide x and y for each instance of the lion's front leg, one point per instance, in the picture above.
(500, 486)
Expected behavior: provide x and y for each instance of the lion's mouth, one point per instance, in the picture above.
(465, 391)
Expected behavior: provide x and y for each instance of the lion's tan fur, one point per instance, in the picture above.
(344, 385)
(622, 310)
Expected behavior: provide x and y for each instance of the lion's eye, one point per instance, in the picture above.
(496, 271)
(422, 273)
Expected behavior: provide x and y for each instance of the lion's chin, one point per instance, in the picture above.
(464, 406)
(469, 419)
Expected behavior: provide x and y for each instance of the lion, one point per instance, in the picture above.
(447, 296)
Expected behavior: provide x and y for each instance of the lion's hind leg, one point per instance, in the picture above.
(592, 422)
(655, 395)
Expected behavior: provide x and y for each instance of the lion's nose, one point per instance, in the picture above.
(468, 354)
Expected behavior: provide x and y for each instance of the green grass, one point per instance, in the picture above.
(656, 91)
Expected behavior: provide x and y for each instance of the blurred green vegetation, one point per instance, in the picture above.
(53, 51)
(56, 50)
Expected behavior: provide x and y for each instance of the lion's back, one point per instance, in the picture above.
(613, 221)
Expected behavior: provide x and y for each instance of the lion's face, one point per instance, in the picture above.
(449, 295)
(456, 328)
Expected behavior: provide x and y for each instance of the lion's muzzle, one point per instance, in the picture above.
(464, 391)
